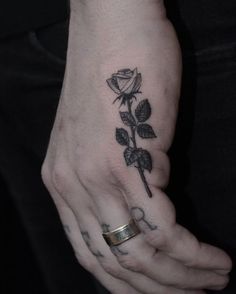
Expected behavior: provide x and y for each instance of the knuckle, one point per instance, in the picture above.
(56, 177)
(87, 172)
(45, 174)
(59, 178)
(131, 263)
(116, 167)
(91, 173)
(85, 176)
(156, 239)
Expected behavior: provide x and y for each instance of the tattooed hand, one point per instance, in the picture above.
(107, 162)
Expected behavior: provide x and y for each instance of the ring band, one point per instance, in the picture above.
(121, 234)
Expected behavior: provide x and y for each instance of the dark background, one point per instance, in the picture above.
(36, 256)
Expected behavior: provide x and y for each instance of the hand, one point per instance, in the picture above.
(89, 180)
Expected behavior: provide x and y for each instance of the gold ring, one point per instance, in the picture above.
(121, 234)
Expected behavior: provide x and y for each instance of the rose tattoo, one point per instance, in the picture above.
(126, 83)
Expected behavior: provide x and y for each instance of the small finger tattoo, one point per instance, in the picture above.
(87, 240)
(139, 215)
(117, 251)
(105, 228)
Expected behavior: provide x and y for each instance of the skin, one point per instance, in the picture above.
(84, 168)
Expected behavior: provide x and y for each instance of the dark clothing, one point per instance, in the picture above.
(40, 260)
(203, 154)
(24, 15)
(203, 158)
(203, 23)
(208, 21)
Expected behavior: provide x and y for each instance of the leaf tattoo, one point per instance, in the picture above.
(130, 155)
(126, 84)
(127, 118)
(143, 111)
(145, 131)
(122, 137)
(145, 159)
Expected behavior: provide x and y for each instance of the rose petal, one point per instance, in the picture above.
(127, 89)
(119, 75)
(113, 85)
(126, 72)
(130, 88)
(135, 71)
(122, 82)
(138, 82)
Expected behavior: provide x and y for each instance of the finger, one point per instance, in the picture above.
(91, 231)
(114, 212)
(175, 240)
(83, 254)
(74, 204)
(166, 270)
(141, 257)
(202, 255)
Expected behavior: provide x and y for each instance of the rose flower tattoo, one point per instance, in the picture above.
(126, 83)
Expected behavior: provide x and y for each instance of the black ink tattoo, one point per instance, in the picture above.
(87, 240)
(126, 83)
(115, 249)
(105, 228)
(139, 215)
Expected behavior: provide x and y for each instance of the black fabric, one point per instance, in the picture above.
(17, 265)
(204, 19)
(23, 15)
(30, 84)
(202, 156)
(203, 159)
(203, 24)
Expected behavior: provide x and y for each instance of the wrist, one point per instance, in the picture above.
(110, 21)
(117, 34)
(101, 8)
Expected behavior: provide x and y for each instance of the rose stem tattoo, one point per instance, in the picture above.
(87, 240)
(127, 83)
(139, 215)
(115, 249)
